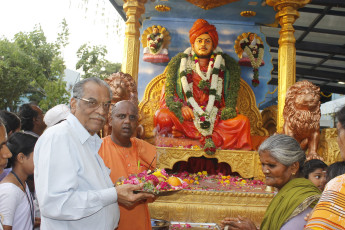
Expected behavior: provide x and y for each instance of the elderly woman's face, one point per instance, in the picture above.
(341, 139)
(277, 174)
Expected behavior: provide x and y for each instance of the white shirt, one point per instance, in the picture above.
(72, 183)
(15, 207)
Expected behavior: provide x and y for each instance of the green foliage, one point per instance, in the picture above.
(93, 63)
(55, 94)
(32, 67)
(16, 70)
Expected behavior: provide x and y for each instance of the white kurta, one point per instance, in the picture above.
(73, 186)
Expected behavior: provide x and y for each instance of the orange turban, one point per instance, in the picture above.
(200, 27)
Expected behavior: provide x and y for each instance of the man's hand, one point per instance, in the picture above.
(187, 113)
(230, 223)
(37, 222)
(126, 196)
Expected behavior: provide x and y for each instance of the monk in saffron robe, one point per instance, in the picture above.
(200, 95)
(126, 155)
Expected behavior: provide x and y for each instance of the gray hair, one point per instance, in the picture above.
(78, 88)
(283, 148)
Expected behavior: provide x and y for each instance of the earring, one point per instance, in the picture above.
(267, 171)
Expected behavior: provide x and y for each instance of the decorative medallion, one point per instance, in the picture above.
(248, 13)
(238, 49)
(162, 8)
(209, 4)
(155, 40)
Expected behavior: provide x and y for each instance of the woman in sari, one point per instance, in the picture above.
(282, 160)
(329, 212)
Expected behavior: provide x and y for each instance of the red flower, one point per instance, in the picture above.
(189, 77)
(256, 81)
(221, 74)
(202, 118)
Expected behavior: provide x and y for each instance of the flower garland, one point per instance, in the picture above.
(155, 44)
(254, 61)
(203, 118)
(229, 87)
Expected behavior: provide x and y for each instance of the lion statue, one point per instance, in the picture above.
(302, 116)
(123, 87)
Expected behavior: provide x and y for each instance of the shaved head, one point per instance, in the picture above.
(124, 122)
(124, 103)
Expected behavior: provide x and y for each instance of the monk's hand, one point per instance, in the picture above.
(127, 197)
(230, 223)
(187, 113)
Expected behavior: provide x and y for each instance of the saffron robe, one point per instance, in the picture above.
(123, 162)
(227, 134)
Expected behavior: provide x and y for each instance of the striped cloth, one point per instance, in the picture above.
(329, 213)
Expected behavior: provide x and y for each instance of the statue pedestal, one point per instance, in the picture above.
(246, 163)
(210, 207)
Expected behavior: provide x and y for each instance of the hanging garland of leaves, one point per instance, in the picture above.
(173, 103)
(231, 88)
(255, 59)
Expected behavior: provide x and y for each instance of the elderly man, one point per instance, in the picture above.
(74, 189)
(31, 117)
(201, 95)
(125, 156)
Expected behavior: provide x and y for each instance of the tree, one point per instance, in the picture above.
(93, 63)
(17, 69)
(33, 68)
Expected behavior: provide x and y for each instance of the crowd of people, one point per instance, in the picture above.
(57, 173)
(75, 188)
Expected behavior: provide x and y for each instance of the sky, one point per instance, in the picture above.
(89, 21)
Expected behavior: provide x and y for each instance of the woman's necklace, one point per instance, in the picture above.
(30, 200)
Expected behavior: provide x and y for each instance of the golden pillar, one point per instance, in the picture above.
(287, 15)
(130, 62)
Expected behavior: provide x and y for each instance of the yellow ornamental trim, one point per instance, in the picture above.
(248, 13)
(162, 8)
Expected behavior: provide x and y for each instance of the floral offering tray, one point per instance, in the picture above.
(157, 182)
(193, 226)
(201, 181)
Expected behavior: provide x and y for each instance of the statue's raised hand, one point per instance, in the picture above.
(187, 113)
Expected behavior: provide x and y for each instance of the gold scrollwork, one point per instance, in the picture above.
(248, 13)
(328, 146)
(162, 8)
(210, 206)
(210, 4)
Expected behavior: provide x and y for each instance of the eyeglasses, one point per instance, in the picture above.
(94, 104)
